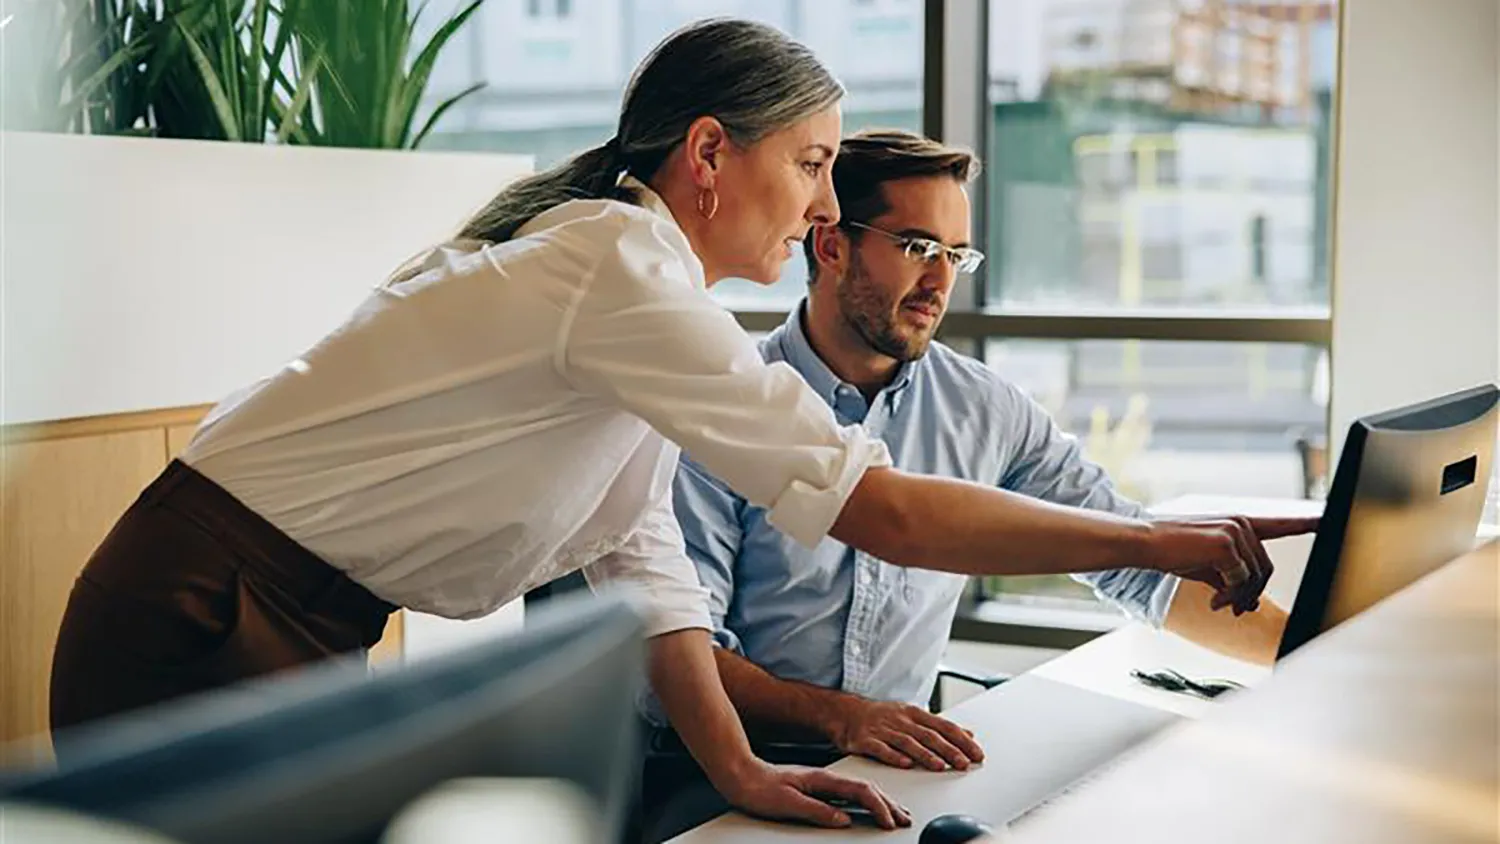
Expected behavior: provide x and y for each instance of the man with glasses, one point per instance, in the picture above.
(834, 645)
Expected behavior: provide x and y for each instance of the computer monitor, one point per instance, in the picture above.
(333, 753)
(1406, 498)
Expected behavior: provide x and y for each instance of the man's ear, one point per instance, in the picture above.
(831, 249)
(705, 145)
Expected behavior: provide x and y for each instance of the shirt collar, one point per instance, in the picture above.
(797, 350)
(650, 199)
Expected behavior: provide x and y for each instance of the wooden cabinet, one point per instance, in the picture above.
(62, 486)
(60, 498)
(178, 437)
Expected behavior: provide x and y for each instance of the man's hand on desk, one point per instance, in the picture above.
(1222, 552)
(900, 735)
(894, 733)
(790, 792)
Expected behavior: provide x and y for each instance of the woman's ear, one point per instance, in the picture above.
(706, 145)
(831, 249)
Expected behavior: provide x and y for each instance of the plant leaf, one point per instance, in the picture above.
(298, 133)
(438, 112)
(302, 131)
(390, 72)
(421, 69)
(86, 88)
(223, 35)
(291, 115)
(222, 107)
(285, 24)
(256, 107)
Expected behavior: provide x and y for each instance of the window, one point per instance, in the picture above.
(1156, 225)
(1125, 187)
(549, 8)
(1169, 418)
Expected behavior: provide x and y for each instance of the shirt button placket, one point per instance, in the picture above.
(861, 620)
(878, 417)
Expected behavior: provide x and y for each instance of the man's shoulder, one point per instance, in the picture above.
(770, 345)
(967, 375)
(695, 486)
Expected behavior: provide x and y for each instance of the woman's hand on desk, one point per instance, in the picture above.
(901, 735)
(791, 792)
(1224, 552)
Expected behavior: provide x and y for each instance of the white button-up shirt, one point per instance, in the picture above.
(496, 416)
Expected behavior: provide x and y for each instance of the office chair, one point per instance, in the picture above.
(1312, 456)
(948, 672)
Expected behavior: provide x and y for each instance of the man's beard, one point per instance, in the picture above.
(872, 315)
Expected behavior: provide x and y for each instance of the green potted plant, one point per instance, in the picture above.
(319, 72)
(369, 74)
(213, 71)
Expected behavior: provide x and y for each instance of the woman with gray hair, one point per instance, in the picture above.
(509, 408)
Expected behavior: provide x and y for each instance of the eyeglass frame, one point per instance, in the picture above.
(956, 255)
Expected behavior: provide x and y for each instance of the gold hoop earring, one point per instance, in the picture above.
(712, 203)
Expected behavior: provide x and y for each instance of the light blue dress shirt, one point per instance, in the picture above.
(840, 618)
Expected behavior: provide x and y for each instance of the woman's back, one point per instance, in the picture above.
(423, 430)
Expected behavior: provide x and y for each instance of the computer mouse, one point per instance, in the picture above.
(858, 814)
(953, 829)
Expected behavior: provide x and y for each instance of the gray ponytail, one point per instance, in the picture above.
(590, 174)
(755, 79)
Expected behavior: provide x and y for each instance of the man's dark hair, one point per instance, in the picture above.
(869, 159)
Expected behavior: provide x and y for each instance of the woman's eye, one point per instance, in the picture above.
(813, 168)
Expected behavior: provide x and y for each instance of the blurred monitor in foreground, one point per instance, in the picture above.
(331, 754)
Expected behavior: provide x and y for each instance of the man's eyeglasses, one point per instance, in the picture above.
(926, 251)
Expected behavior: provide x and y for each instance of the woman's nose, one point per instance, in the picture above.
(824, 210)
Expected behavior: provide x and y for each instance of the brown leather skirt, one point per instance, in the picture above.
(190, 591)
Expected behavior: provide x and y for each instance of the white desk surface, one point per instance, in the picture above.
(1102, 665)
(1384, 730)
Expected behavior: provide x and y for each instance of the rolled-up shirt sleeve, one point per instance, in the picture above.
(643, 333)
(1143, 595)
(1050, 465)
(652, 569)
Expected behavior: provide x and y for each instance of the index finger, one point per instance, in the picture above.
(1261, 567)
(829, 784)
(961, 738)
(1275, 528)
(1246, 587)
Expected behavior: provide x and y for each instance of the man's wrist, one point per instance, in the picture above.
(773, 707)
(732, 770)
(833, 712)
(1140, 543)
